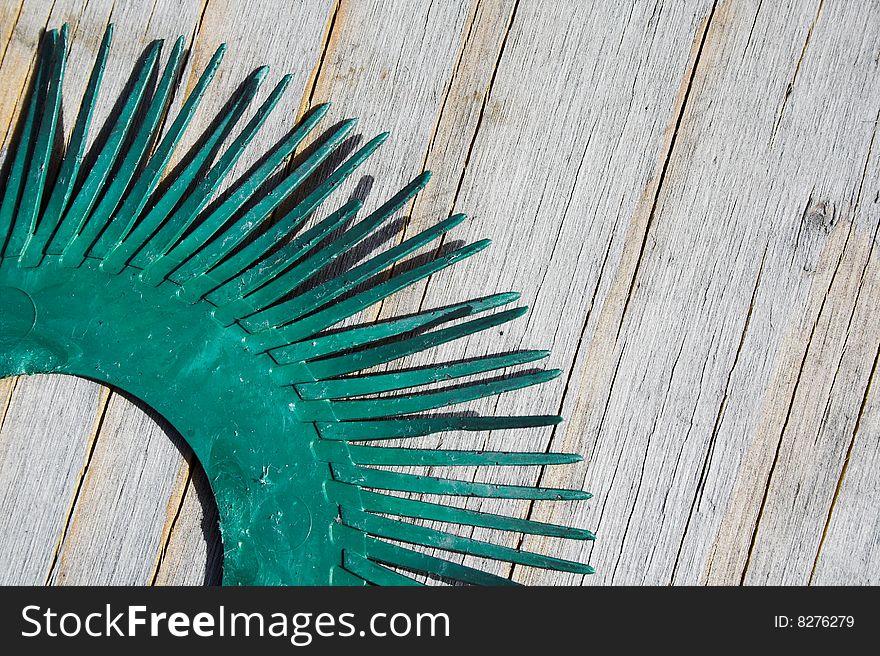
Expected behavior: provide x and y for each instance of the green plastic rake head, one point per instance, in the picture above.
(222, 320)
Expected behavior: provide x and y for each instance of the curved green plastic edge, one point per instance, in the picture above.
(203, 314)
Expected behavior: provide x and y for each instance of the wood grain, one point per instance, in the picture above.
(57, 413)
(685, 193)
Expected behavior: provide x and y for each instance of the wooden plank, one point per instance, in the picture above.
(748, 276)
(193, 554)
(130, 493)
(851, 549)
(566, 103)
(45, 441)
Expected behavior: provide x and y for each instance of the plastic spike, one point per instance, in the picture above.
(70, 166)
(385, 504)
(335, 452)
(387, 480)
(395, 555)
(397, 380)
(345, 364)
(405, 532)
(373, 572)
(420, 426)
(360, 336)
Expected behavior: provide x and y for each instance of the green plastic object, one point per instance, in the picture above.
(228, 321)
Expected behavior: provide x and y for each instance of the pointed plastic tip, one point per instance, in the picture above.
(507, 297)
(219, 53)
(553, 373)
(179, 43)
(381, 138)
(65, 31)
(565, 458)
(589, 569)
(555, 419)
(261, 73)
(347, 124)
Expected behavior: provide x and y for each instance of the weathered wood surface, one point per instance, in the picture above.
(685, 193)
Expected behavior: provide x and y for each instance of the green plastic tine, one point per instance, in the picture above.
(144, 244)
(203, 246)
(17, 180)
(322, 319)
(262, 271)
(284, 283)
(70, 166)
(35, 178)
(149, 178)
(135, 152)
(405, 404)
(348, 363)
(202, 281)
(372, 572)
(419, 426)
(85, 199)
(388, 480)
(331, 289)
(393, 554)
(351, 496)
(359, 336)
(335, 451)
(396, 380)
(405, 532)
